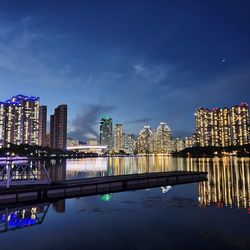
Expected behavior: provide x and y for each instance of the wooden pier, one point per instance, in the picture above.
(93, 186)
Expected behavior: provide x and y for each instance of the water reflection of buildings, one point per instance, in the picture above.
(142, 164)
(57, 172)
(87, 167)
(228, 178)
(18, 218)
(59, 206)
(228, 182)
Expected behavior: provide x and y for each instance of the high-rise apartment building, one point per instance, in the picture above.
(118, 137)
(19, 120)
(2, 123)
(52, 131)
(106, 132)
(222, 126)
(72, 142)
(203, 127)
(190, 141)
(162, 139)
(58, 128)
(42, 125)
(92, 142)
(240, 124)
(157, 141)
(178, 144)
(145, 140)
(129, 143)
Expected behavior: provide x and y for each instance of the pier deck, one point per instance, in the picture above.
(98, 185)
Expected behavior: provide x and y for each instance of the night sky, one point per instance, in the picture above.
(140, 62)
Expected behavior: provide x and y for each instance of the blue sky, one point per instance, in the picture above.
(140, 62)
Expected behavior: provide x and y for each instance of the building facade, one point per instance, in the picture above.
(58, 128)
(72, 142)
(203, 127)
(19, 120)
(42, 126)
(92, 142)
(222, 126)
(106, 132)
(162, 139)
(190, 141)
(129, 143)
(155, 141)
(118, 140)
(178, 144)
(145, 141)
(240, 124)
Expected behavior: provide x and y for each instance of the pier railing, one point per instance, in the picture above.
(19, 173)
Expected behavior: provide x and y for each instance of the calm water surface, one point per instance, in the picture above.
(209, 215)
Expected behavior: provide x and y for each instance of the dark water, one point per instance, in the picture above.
(209, 215)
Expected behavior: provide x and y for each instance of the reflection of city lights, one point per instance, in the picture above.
(23, 217)
(228, 177)
(165, 189)
(222, 171)
(88, 164)
(106, 197)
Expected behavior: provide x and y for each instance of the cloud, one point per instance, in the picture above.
(142, 120)
(154, 75)
(21, 55)
(85, 122)
(105, 79)
(140, 69)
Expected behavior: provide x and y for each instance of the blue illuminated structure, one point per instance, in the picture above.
(19, 99)
(19, 120)
(18, 218)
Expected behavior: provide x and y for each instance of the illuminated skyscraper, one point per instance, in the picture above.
(162, 139)
(145, 141)
(203, 127)
(225, 127)
(19, 120)
(2, 123)
(58, 128)
(106, 132)
(190, 141)
(52, 131)
(240, 124)
(72, 142)
(178, 144)
(42, 125)
(118, 137)
(222, 126)
(129, 143)
(92, 142)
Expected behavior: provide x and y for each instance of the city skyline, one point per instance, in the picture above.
(213, 127)
(124, 124)
(154, 61)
